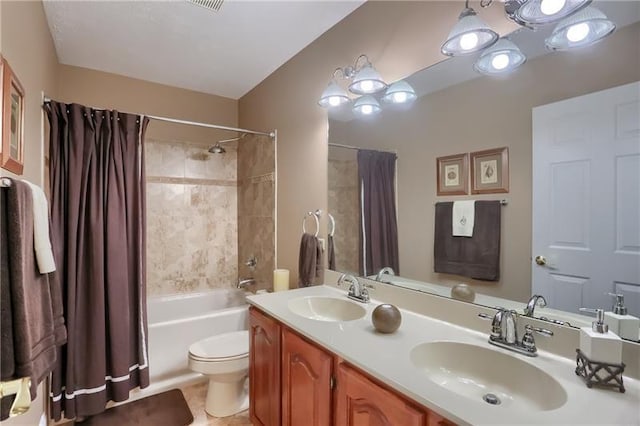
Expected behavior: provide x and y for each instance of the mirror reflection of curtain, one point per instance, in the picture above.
(379, 224)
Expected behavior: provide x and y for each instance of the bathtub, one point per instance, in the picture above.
(177, 321)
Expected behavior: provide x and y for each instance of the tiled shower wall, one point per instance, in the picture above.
(192, 220)
(343, 206)
(256, 208)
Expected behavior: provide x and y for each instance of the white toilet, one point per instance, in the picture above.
(224, 358)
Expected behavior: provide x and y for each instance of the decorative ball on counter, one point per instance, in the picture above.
(463, 292)
(386, 318)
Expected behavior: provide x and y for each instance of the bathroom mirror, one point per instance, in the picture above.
(459, 111)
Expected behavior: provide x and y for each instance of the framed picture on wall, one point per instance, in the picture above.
(490, 171)
(12, 153)
(453, 174)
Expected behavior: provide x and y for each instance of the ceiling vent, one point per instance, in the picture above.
(214, 5)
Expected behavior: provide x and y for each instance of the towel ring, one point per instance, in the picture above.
(315, 216)
(333, 225)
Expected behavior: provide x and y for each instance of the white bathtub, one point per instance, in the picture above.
(177, 321)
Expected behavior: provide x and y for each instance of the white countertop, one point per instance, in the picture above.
(386, 357)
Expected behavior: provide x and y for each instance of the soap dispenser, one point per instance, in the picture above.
(599, 344)
(620, 322)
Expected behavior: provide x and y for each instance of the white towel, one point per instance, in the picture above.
(464, 213)
(41, 241)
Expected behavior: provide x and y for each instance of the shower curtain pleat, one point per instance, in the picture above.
(379, 223)
(98, 218)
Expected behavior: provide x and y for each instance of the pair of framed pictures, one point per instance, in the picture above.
(489, 172)
(11, 120)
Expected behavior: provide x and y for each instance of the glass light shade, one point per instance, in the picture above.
(333, 96)
(366, 105)
(469, 35)
(367, 81)
(540, 12)
(583, 28)
(399, 92)
(502, 57)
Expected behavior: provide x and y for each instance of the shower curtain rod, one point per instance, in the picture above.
(339, 145)
(47, 100)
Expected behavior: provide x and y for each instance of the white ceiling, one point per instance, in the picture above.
(225, 53)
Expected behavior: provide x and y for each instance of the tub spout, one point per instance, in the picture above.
(244, 283)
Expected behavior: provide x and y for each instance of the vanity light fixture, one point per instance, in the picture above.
(469, 35)
(333, 95)
(365, 81)
(502, 57)
(540, 12)
(399, 92)
(366, 105)
(583, 28)
(579, 24)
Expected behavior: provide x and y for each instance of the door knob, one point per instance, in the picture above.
(541, 260)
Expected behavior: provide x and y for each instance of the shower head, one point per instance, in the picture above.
(218, 149)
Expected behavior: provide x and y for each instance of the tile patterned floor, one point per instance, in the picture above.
(196, 395)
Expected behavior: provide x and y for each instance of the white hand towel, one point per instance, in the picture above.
(464, 213)
(41, 241)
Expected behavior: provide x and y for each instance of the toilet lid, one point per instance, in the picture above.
(226, 345)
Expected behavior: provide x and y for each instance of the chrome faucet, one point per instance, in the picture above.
(386, 270)
(504, 333)
(243, 283)
(357, 291)
(536, 300)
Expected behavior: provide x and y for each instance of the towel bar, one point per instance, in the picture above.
(502, 202)
(333, 225)
(316, 216)
(19, 388)
(5, 182)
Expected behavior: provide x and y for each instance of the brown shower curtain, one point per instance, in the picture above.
(379, 225)
(98, 220)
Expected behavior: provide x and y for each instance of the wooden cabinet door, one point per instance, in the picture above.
(306, 382)
(361, 402)
(264, 369)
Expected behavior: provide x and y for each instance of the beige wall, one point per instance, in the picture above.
(105, 90)
(32, 57)
(28, 47)
(482, 114)
(256, 209)
(398, 37)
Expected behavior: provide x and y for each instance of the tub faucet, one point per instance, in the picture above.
(244, 283)
(386, 270)
(536, 300)
(357, 291)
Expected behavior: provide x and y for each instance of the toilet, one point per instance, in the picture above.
(224, 359)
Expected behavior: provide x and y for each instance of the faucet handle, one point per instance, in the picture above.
(543, 331)
(496, 322)
(528, 341)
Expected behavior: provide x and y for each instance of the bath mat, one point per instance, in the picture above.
(164, 409)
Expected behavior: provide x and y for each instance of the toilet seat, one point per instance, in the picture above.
(221, 347)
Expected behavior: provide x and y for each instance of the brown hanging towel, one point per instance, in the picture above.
(476, 257)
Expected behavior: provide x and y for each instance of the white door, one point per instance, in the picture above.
(586, 200)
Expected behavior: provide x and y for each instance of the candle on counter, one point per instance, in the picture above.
(280, 279)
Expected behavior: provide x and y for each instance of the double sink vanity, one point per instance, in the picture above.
(317, 359)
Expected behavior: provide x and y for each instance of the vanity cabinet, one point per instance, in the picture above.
(361, 402)
(306, 382)
(293, 382)
(264, 369)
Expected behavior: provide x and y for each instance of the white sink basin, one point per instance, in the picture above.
(475, 372)
(326, 308)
